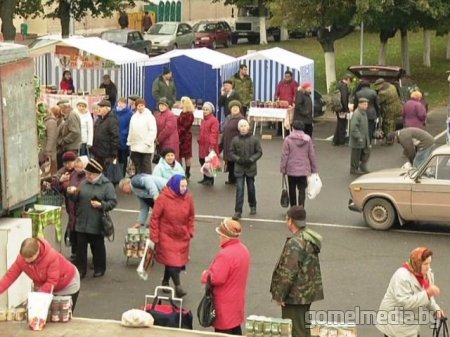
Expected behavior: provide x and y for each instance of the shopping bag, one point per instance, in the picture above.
(440, 328)
(107, 226)
(206, 311)
(114, 172)
(156, 156)
(169, 315)
(38, 305)
(212, 165)
(284, 200)
(146, 260)
(131, 169)
(136, 318)
(314, 185)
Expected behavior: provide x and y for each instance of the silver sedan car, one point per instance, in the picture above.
(166, 36)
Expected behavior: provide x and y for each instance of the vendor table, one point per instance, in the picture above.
(198, 115)
(52, 99)
(260, 115)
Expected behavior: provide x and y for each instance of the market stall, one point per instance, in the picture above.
(88, 59)
(260, 115)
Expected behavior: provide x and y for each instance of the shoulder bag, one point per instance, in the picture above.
(156, 156)
(107, 226)
(284, 200)
(206, 311)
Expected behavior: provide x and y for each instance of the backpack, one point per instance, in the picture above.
(336, 102)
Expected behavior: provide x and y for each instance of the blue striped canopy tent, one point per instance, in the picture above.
(266, 68)
(125, 66)
(196, 73)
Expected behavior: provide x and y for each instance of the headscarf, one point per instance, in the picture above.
(174, 184)
(414, 265)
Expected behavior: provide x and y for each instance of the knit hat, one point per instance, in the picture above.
(229, 228)
(209, 106)
(82, 101)
(298, 125)
(306, 85)
(166, 70)
(69, 156)
(84, 160)
(233, 103)
(243, 122)
(104, 102)
(166, 151)
(298, 214)
(93, 166)
(164, 101)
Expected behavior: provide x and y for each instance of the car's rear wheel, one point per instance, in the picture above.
(379, 214)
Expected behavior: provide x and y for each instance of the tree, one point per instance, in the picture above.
(7, 8)
(333, 18)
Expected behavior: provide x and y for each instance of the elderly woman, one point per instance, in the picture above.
(168, 165)
(94, 196)
(87, 127)
(184, 125)
(411, 289)
(172, 229)
(414, 112)
(208, 138)
(230, 130)
(52, 121)
(166, 123)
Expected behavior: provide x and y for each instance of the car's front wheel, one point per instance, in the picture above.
(379, 214)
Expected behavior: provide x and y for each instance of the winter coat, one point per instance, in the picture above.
(50, 271)
(161, 89)
(184, 125)
(298, 157)
(224, 100)
(142, 132)
(244, 87)
(230, 131)
(371, 95)
(51, 136)
(167, 135)
(164, 170)
(146, 186)
(414, 138)
(297, 278)
(208, 137)
(106, 136)
(69, 138)
(390, 104)
(303, 108)
(414, 114)
(345, 95)
(286, 91)
(229, 275)
(245, 151)
(111, 92)
(172, 227)
(123, 118)
(359, 130)
(89, 219)
(67, 84)
(405, 293)
(87, 128)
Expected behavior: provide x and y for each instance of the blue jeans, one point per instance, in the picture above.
(421, 156)
(240, 181)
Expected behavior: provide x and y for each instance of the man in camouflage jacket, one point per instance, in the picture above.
(243, 85)
(296, 280)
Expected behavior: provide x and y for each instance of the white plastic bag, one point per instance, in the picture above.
(146, 261)
(407, 166)
(38, 305)
(136, 318)
(314, 186)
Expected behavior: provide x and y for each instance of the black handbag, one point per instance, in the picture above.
(114, 172)
(107, 226)
(440, 325)
(206, 311)
(169, 315)
(156, 156)
(284, 200)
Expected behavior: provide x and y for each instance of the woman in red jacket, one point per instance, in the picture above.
(66, 83)
(184, 124)
(208, 138)
(166, 124)
(172, 228)
(49, 270)
(229, 274)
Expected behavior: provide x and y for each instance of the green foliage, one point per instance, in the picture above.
(29, 8)
(41, 112)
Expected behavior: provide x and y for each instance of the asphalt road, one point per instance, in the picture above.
(357, 262)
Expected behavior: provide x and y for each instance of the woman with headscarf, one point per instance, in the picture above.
(414, 113)
(168, 165)
(410, 290)
(172, 228)
(184, 125)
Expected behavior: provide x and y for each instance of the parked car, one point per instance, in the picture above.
(421, 194)
(319, 104)
(301, 34)
(166, 36)
(131, 39)
(212, 33)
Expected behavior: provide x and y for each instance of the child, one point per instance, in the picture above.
(245, 151)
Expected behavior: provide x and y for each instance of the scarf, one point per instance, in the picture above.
(174, 184)
(414, 266)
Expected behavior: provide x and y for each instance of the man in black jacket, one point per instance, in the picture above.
(228, 94)
(304, 107)
(342, 116)
(110, 89)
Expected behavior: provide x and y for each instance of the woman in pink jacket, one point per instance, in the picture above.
(414, 112)
(208, 138)
(172, 229)
(49, 270)
(167, 130)
(229, 274)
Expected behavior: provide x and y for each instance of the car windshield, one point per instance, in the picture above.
(206, 28)
(116, 37)
(162, 29)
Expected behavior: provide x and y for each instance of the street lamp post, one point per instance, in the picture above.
(448, 112)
